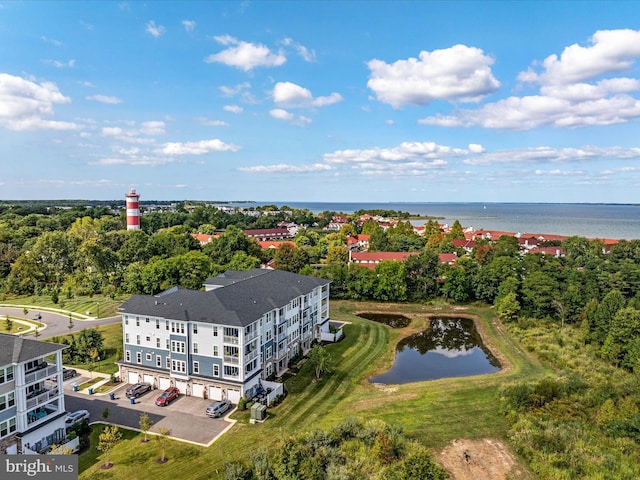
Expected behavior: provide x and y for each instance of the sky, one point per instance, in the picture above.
(336, 101)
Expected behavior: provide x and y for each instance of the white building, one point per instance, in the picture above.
(32, 410)
(221, 342)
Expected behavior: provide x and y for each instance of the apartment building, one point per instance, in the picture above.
(32, 410)
(221, 342)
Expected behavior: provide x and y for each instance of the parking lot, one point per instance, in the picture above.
(184, 417)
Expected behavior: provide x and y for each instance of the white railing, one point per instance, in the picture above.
(40, 374)
(250, 336)
(41, 398)
(231, 340)
(233, 360)
(250, 356)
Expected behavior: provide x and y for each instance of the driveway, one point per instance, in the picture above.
(184, 417)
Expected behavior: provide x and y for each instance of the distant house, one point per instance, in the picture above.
(371, 259)
(203, 238)
(270, 245)
(223, 343)
(358, 242)
(32, 410)
(447, 258)
(466, 245)
(337, 222)
(269, 234)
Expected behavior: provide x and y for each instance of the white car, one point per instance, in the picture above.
(76, 417)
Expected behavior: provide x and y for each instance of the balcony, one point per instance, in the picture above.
(232, 360)
(41, 397)
(40, 374)
(40, 413)
(231, 340)
(250, 336)
(250, 356)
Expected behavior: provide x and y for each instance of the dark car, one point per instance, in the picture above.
(68, 373)
(217, 409)
(134, 391)
(167, 396)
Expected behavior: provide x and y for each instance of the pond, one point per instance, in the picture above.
(393, 320)
(452, 347)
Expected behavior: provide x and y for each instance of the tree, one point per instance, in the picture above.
(8, 324)
(145, 423)
(320, 360)
(456, 231)
(507, 307)
(105, 413)
(163, 434)
(623, 331)
(538, 293)
(107, 440)
(290, 258)
(391, 286)
(421, 275)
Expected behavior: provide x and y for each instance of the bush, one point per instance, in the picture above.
(242, 404)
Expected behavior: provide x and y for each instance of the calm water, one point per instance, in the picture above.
(452, 347)
(582, 219)
(390, 319)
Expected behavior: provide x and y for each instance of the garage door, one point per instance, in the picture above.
(132, 377)
(215, 393)
(163, 383)
(182, 387)
(233, 396)
(148, 379)
(197, 390)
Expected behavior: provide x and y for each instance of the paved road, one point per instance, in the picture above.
(56, 323)
(184, 417)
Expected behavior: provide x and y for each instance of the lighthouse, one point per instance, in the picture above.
(133, 210)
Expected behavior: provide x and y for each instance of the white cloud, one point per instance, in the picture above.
(476, 148)
(24, 103)
(557, 172)
(553, 155)
(245, 56)
(304, 52)
(153, 127)
(189, 25)
(289, 94)
(286, 168)
(566, 97)
(211, 122)
(197, 148)
(57, 43)
(610, 51)
(153, 29)
(58, 64)
(105, 99)
(456, 73)
(299, 120)
(233, 109)
(405, 152)
(235, 89)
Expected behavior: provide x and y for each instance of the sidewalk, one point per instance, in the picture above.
(74, 315)
(85, 373)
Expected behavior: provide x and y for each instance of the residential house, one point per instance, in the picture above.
(358, 242)
(371, 259)
(32, 411)
(268, 234)
(222, 342)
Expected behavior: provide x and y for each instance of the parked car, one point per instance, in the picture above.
(68, 373)
(169, 395)
(217, 409)
(38, 316)
(76, 417)
(134, 391)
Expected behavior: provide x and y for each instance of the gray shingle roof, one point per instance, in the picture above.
(241, 300)
(14, 349)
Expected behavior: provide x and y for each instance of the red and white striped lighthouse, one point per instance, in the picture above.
(133, 210)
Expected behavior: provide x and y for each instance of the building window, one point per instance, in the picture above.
(7, 428)
(6, 374)
(126, 320)
(157, 343)
(195, 329)
(166, 363)
(231, 371)
(215, 331)
(158, 361)
(195, 348)
(173, 327)
(167, 344)
(182, 328)
(139, 357)
(148, 357)
(196, 367)
(215, 351)
(138, 339)
(127, 356)
(137, 321)
(167, 325)
(216, 370)
(7, 401)
(147, 319)
(148, 338)
(158, 323)
(126, 338)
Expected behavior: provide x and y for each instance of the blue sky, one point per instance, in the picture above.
(321, 101)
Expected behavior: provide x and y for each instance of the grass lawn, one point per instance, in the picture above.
(112, 335)
(17, 325)
(432, 412)
(96, 306)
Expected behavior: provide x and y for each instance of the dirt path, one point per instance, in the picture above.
(485, 459)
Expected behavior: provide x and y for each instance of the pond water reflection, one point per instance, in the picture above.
(393, 320)
(452, 347)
